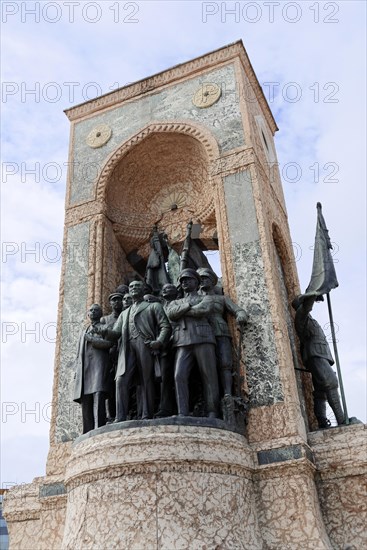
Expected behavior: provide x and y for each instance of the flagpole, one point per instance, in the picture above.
(346, 418)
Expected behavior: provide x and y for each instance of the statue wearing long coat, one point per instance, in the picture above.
(92, 364)
(150, 324)
(150, 321)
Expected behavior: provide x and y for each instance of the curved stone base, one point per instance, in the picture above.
(161, 487)
(167, 486)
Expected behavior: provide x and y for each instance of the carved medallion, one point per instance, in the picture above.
(177, 196)
(99, 136)
(206, 95)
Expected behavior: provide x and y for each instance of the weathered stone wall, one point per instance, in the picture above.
(171, 104)
(340, 457)
(74, 309)
(260, 354)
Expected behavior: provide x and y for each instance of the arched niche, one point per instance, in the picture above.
(162, 176)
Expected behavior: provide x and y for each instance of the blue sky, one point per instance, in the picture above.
(311, 55)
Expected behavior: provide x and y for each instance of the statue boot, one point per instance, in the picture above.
(334, 402)
(319, 408)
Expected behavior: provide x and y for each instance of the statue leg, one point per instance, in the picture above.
(111, 402)
(325, 382)
(206, 359)
(334, 402)
(145, 362)
(87, 413)
(123, 384)
(166, 405)
(319, 400)
(183, 365)
(99, 409)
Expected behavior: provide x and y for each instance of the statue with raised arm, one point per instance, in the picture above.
(92, 372)
(194, 341)
(221, 305)
(317, 359)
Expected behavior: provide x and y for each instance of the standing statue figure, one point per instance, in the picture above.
(167, 401)
(317, 358)
(92, 372)
(144, 331)
(115, 300)
(194, 340)
(222, 305)
(156, 274)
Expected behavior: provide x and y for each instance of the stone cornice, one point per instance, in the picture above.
(158, 467)
(169, 76)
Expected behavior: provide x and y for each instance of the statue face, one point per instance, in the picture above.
(189, 284)
(127, 301)
(136, 289)
(169, 292)
(206, 283)
(116, 303)
(95, 312)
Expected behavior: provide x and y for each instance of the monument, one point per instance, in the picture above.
(248, 468)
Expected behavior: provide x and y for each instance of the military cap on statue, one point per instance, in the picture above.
(188, 272)
(206, 272)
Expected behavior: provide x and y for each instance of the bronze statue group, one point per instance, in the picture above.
(157, 356)
(167, 350)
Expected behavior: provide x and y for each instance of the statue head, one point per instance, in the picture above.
(127, 301)
(169, 292)
(95, 312)
(115, 300)
(137, 290)
(296, 302)
(208, 279)
(189, 279)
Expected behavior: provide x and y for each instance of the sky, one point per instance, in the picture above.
(309, 58)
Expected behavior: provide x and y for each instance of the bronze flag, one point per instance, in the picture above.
(323, 278)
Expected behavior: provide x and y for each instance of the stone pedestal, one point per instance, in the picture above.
(161, 487)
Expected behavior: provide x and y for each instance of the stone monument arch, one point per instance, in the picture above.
(193, 142)
(160, 176)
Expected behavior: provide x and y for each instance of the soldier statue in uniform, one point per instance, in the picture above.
(194, 341)
(317, 358)
(222, 304)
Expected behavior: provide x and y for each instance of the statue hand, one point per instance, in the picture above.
(101, 331)
(155, 345)
(241, 318)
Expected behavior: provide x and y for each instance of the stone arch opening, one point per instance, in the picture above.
(161, 177)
